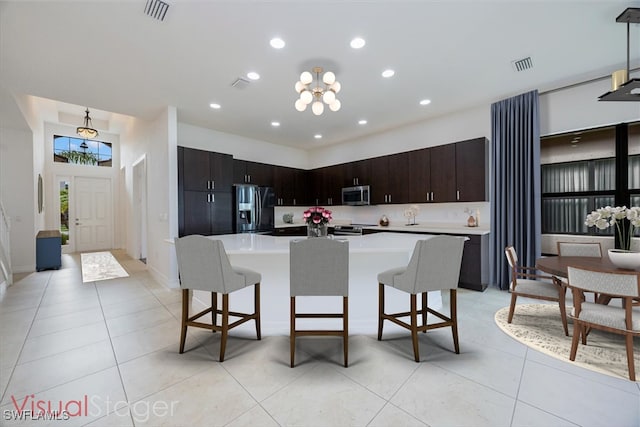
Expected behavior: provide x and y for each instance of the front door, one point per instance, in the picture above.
(93, 225)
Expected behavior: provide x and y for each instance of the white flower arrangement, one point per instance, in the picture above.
(606, 217)
(410, 213)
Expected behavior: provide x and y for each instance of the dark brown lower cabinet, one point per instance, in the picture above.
(205, 213)
(474, 271)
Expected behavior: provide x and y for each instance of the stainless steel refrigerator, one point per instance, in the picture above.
(253, 209)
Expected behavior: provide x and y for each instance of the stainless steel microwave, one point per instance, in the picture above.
(356, 196)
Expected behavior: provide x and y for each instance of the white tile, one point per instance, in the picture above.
(139, 320)
(58, 342)
(119, 418)
(256, 416)
(378, 365)
(156, 371)
(130, 306)
(391, 415)
(438, 397)
(576, 399)
(66, 307)
(500, 370)
(271, 358)
(43, 374)
(211, 398)
(529, 416)
(86, 399)
(323, 396)
(143, 341)
(63, 322)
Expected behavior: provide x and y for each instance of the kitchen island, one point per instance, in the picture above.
(368, 256)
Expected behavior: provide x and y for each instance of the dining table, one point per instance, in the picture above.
(558, 266)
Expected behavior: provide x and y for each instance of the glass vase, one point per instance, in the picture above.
(317, 230)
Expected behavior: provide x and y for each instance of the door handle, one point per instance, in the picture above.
(457, 194)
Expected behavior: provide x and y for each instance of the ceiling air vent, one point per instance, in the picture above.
(240, 83)
(156, 9)
(522, 64)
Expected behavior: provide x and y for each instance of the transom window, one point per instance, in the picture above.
(67, 149)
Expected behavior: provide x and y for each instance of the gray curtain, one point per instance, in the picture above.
(515, 183)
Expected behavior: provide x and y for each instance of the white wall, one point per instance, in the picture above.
(577, 107)
(17, 180)
(240, 147)
(468, 124)
(157, 142)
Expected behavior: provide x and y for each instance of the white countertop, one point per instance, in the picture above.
(444, 228)
(374, 243)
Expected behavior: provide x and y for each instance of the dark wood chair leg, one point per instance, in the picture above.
(380, 309)
(292, 329)
(214, 310)
(414, 326)
(453, 301)
(225, 325)
(577, 331)
(256, 305)
(185, 316)
(345, 329)
(424, 311)
(512, 307)
(630, 362)
(563, 310)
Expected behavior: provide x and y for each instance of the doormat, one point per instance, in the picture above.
(100, 266)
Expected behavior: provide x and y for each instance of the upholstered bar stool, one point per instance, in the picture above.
(319, 267)
(434, 266)
(203, 265)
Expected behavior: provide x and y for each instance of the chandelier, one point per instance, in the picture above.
(87, 131)
(317, 95)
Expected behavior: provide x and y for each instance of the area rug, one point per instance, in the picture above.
(539, 327)
(100, 266)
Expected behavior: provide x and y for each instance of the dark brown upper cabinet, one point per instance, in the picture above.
(390, 179)
(245, 172)
(471, 177)
(205, 170)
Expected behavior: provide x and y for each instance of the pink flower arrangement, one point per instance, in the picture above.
(317, 215)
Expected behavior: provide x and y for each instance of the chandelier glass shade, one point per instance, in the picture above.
(87, 131)
(319, 93)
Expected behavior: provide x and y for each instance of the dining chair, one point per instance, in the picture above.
(586, 249)
(582, 249)
(609, 318)
(319, 267)
(434, 266)
(203, 265)
(525, 282)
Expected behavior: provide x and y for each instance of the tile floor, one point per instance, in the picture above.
(107, 352)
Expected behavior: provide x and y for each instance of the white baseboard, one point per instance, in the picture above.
(162, 279)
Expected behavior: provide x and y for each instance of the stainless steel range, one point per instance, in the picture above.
(347, 230)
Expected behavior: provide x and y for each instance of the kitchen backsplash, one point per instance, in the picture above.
(428, 213)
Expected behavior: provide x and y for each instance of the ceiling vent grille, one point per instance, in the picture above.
(156, 9)
(240, 83)
(522, 64)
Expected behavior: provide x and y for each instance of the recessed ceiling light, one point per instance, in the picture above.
(275, 124)
(214, 106)
(317, 136)
(357, 43)
(362, 122)
(277, 43)
(388, 73)
(253, 75)
(425, 102)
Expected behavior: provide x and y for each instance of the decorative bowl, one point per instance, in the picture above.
(628, 260)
